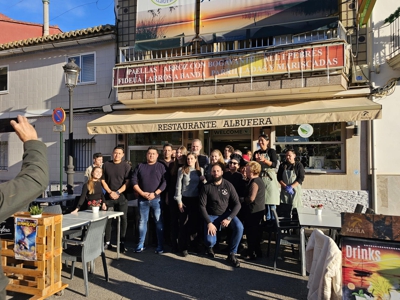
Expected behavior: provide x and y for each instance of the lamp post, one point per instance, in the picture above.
(71, 71)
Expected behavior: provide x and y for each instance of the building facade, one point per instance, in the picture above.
(32, 84)
(292, 69)
(384, 67)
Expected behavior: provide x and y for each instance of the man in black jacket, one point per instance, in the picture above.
(29, 183)
(219, 205)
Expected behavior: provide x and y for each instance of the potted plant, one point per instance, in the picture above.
(36, 211)
(95, 205)
(318, 208)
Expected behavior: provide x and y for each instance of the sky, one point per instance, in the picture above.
(67, 14)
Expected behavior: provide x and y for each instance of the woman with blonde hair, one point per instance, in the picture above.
(92, 190)
(254, 209)
(215, 157)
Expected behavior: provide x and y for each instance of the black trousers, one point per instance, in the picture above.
(117, 205)
(188, 222)
(253, 229)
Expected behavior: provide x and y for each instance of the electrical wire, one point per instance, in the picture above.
(387, 89)
(93, 2)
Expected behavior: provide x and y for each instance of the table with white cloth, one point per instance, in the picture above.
(81, 218)
(329, 219)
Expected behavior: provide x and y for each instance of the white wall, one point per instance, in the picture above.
(387, 141)
(36, 81)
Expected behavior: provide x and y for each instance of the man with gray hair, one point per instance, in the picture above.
(201, 158)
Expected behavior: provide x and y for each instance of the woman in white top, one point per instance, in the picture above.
(190, 177)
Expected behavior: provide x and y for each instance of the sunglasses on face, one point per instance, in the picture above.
(233, 163)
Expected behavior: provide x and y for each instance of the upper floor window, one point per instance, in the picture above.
(3, 79)
(3, 155)
(87, 63)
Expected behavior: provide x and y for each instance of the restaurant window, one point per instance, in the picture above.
(3, 79)
(88, 67)
(82, 156)
(323, 151)
(4, 156)
(155, 138)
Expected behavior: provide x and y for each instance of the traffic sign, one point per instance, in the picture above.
(58, 116)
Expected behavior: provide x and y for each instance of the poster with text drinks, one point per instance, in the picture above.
(370, 269)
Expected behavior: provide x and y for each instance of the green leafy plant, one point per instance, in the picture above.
(359, 294)
(35, 210)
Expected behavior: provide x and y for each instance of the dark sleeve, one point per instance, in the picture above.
(273, 157)
(83, 196)
(134, 179)
(203, 204)
(300, 173)
(233, 201)
(163, 183)
(253, 190)
(30, 182)
(280, 172)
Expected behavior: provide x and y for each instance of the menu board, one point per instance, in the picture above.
(370, 269)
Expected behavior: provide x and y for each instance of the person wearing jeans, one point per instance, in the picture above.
(219, 205)
(148, 180)
(144, 210)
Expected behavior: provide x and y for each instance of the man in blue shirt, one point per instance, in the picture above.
(148, 180)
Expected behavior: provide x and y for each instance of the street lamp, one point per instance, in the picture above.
(71, 71)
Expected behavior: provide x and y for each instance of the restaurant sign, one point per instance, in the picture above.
(235, 66)
(201, 125)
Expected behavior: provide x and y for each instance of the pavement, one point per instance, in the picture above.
(167, 276)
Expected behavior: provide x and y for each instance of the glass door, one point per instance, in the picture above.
(137, 154)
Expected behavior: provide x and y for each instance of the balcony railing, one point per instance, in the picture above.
(394, 45)
(129, 54)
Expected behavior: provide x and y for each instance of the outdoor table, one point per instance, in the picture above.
(57, 199)
(86, 216)
(307, 218)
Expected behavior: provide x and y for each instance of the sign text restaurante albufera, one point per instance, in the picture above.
(230, 123)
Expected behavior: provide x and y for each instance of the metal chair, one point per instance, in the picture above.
(286, 234)
(359, 208)
(91, 247)
(370, 211)
(53, 209)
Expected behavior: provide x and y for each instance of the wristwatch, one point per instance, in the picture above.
(118, 192)
(229, 219)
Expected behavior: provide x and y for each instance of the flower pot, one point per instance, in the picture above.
(318, 212)
(36, 216)
(95, 209)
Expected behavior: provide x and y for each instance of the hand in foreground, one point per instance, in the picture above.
(23, 129)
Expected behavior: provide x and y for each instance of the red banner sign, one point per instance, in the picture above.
(238, 66)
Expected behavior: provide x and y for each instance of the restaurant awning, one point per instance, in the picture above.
(206, 118)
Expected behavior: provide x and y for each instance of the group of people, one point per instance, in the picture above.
(193, 196)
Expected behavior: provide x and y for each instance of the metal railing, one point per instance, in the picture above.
(129, 54)
(394, 45)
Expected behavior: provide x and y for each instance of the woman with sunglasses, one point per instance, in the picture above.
(190, 177)
(234, 176)
(268, 160)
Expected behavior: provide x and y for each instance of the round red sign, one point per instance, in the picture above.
(58, 116)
